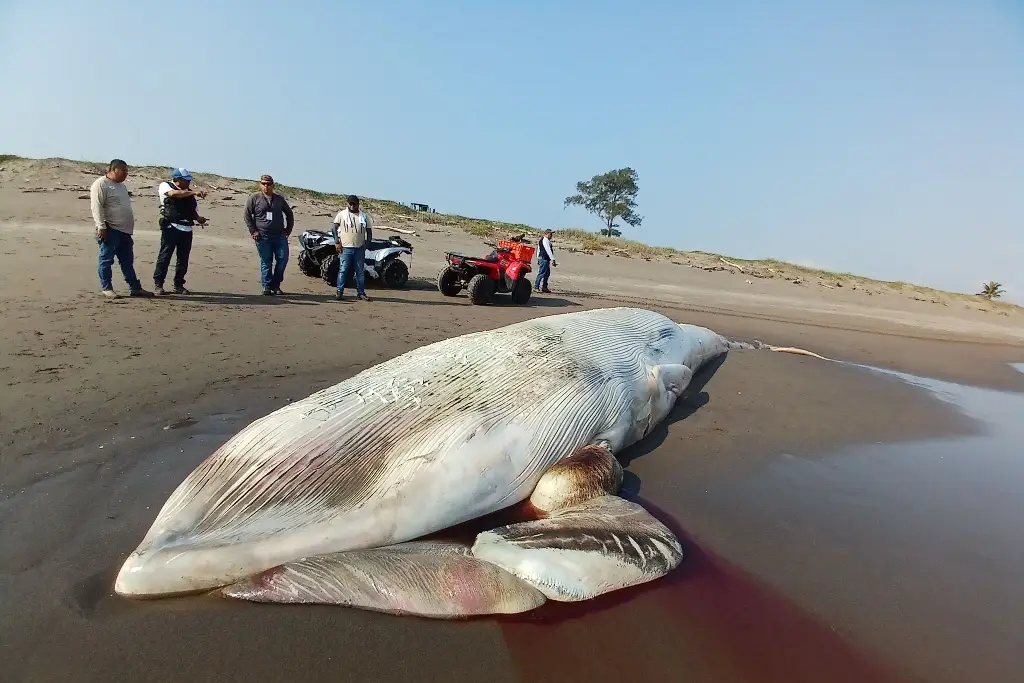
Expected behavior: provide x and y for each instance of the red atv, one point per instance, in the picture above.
(502, 271)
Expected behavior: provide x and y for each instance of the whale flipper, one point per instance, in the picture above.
(438, 579)
(589, 540)
(583, 551)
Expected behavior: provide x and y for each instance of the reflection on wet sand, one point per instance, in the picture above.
(912, 551)
(707, 621)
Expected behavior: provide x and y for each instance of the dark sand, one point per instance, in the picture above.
(805, 562)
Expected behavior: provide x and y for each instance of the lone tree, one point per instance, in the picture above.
(991, 290)
(609, 196)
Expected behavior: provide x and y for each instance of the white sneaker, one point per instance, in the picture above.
(110, 294)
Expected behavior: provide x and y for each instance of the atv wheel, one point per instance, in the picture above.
(307, 265)
(448, 281)
(395, 274)
(329, 269)
(521, 291)
(481, 289)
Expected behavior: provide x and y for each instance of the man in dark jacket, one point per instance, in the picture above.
(270, 222)
(179, 212)
(545, 259)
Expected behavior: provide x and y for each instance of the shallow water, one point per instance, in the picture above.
(914, 550)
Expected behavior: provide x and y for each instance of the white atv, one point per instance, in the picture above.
(384, 259)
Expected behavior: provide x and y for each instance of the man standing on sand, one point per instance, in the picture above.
(352, 230)
(179, 212)
(115, 222)
(545, 259)
(270, 221)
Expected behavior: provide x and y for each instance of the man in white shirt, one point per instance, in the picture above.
(352, 229)
(545, 259)
(179, 212)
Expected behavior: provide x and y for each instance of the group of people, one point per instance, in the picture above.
(267, 215)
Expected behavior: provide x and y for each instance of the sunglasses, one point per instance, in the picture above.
(265, 182)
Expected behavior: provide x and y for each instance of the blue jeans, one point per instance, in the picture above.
(121, 245)
(352, 257)
(271, 247)
(543, 273)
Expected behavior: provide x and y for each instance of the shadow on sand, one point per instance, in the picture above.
(693, 399)
(376, 292)
(499, 301)
(239, 299)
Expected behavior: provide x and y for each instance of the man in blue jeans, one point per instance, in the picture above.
(352, 229)
(114, 219)
(270, 221)
(545, 259)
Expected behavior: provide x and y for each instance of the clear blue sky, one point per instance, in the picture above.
(885, 138)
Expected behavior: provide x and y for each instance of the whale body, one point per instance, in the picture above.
(437, 436)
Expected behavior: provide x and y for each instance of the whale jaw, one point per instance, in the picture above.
(170, 572)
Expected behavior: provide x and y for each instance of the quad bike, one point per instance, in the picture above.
(319, 258)
(502, 271)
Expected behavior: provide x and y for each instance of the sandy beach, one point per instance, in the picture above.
(107, 405)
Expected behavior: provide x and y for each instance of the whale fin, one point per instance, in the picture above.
(437, 579)
(579, 552)
(673, 377)
(589, 541)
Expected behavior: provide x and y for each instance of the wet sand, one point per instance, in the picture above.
(746, 605)
(823, 541)
(911, 550)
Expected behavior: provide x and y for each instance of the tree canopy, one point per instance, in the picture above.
(609, 196)
(991, 290)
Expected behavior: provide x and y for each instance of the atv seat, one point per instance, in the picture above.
(490, 258)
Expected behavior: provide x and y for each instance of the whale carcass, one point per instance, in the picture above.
(324, 500)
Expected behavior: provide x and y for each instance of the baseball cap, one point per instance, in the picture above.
(181, 173)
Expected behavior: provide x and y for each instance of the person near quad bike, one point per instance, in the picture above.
(545, 259)
(353, 229)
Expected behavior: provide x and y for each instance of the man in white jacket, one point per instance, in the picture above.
(545, 259)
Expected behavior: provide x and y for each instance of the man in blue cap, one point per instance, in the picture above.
(179, 212)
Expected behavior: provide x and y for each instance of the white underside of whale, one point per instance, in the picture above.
(437, 436)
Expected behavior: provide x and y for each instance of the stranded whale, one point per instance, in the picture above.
(324, 499)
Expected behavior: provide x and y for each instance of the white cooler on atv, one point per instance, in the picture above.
(385, 259)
